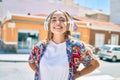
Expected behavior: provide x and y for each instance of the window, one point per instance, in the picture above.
(99, 39)
(116, 49)
(119, 49)
(114, 39)
(27, 39)
(106, 47)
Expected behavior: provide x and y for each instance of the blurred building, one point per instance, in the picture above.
(101, 32)
(98, 16)
(41, 6)
(22, 32)
(115, 11)
(22, 23)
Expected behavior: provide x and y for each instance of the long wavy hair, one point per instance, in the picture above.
(50, 34)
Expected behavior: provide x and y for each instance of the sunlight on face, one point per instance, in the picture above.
(58, 23)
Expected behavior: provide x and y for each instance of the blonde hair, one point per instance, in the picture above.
(50, 34)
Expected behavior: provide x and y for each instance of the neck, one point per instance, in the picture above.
(58, 39)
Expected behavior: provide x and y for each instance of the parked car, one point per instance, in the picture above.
(111, 52)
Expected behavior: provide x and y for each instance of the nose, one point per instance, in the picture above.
(57, 22)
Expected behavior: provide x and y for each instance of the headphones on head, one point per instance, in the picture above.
(70, 20)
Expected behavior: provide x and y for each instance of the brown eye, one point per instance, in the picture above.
(53, 20)
(62, 20)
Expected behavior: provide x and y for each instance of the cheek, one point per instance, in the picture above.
(66, 28)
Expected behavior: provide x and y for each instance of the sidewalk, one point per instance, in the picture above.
(14, 57)
(97, 75)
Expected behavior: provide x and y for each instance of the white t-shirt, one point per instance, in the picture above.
(54, 63)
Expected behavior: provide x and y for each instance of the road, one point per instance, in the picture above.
(15, 71)
(110, 68)
(21, 71)
(107, 71)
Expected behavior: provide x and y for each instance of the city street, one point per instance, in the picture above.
(15, 71)
(110, 68)
(21, 71)
(33, 27)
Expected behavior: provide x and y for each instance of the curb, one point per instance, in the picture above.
(14, 57)
(12, 61)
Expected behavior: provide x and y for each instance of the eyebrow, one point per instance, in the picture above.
(59, 18)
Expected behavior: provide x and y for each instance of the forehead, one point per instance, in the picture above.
(58, 14)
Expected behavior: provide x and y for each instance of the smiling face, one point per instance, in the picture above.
(58, 23)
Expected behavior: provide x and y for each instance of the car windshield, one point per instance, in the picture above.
(105, 48)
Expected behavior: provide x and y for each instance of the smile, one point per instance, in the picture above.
(58, 27)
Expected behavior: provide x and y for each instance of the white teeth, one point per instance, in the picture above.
(57, 27)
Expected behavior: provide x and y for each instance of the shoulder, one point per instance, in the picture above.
(42, 42)
(78, 43)
(39, 45)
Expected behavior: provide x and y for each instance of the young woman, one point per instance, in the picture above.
(59, 56)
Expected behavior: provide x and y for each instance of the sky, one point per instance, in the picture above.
(103, 5)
